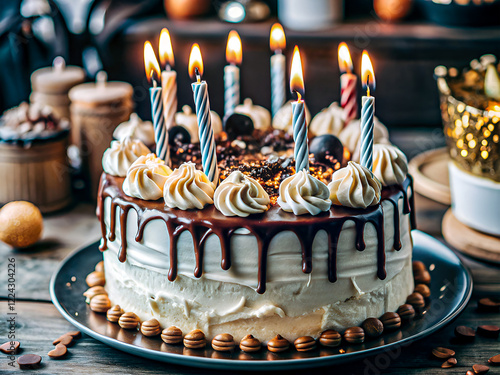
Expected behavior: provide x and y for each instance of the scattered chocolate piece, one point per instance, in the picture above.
(469, 372)
(59, 352)
(391, 321)
(151, 327)
(330, 338)
(178, 134)
(489, 305)
(354, 335)
(29, 361)
(304, 344)
(278, 344)
(128, 320)
(66, 340)
(373, 327)
(94, 291)
(406, 312)
(223, 343)
(75, 334)
(10, 347)
(489, 331)
(250, 344)
(195, 339)
(495, 360)
(423, 289)
(171, 335)
(325, 147)
(416, 300)
(423, 277)
(100, 303)
(95, 278)
(451, 362)
(418, 266)
(114, 313)
(465, 333)
(443, 353)
(238, 124)
(480, 369)
(99, 267)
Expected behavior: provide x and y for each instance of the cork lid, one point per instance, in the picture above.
(58, 78)
(101, 92)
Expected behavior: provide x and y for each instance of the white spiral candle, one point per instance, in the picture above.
(169, 86)
(231, 89)
(278, 82)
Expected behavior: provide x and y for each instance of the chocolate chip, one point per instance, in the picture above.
(451, 362)
(278, 344)
(443, 353)
(29, 361)
(58, 352)
(171, 335)
(223, 342)
(406, 312)
(489, 331)
(75, 334)
(304, 344)
(391, 321)
(465, 333)
(250, 344)
(195, 339)
(480, 369)
(373, 327)
(65, 339)
(354, 335)
(489, 304)
(495, 360)
(10, 347)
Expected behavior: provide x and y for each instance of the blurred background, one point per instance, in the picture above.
(406, 39)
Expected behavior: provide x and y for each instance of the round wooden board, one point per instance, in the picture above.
(469, 241)
(430, 173)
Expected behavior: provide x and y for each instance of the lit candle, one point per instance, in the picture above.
(232, 73)
(348, 83)
(202, 104)
(161, 133)
(301, 150)
(367, 112)
(277, 42)
(168, 79)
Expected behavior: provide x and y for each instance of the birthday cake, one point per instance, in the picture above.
(470, 106)
(268, 250)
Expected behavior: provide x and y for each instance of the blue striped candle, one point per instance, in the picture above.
(207, 140)
(278, 83)
(301, 150)
(161, 133)
(367, 113)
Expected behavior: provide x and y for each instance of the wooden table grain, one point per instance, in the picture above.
(39, 323)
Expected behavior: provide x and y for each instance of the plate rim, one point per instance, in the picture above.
(216, 363)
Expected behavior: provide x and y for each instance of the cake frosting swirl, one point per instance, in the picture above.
(146, 177)
(187, 188)
(240, 195)
(304, 194)
(329, 121)
(350, 136)
(118, 158)
(355, 186)
(390, 165)
(136, 129)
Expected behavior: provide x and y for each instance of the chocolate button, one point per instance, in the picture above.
(489, 331)
(451, 362)
(10, 347)
(354, 335)
(330, 338)
(465, 333)
(442, 353)
(495, 360)
(59, 352)
(304, 344)
(66, 340)
(278, 344)
(250, 344)
(223, 342)
(29, 361)
(480, 369)
(171, 335)
(373, 327)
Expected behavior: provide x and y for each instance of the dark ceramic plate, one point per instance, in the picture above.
(451, 289)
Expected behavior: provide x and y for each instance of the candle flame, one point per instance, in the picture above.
(233, 48)
(165, 49)
(345, 61)
(277, 40)
(296, 74)
(195, 62)
(367, 74)
(150, 62)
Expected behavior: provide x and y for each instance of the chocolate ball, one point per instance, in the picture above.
(238, 124)
(326, 147)
(178, 133)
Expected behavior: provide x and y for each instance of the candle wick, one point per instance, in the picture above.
(168, 68)
(278, 51)
(299, 97)
(367, 85)
(197, 73)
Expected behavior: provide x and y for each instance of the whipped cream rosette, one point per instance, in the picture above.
(187, 188)
(390, 165)
(355, 186)
(240, 195)
(329, 121)
(350, 136)
(135, 128)
(146, 177)
(118, 158)
(304, 194)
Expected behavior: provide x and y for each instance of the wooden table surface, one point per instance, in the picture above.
(38, 321)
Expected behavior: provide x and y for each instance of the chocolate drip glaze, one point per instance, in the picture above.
(202, 223)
